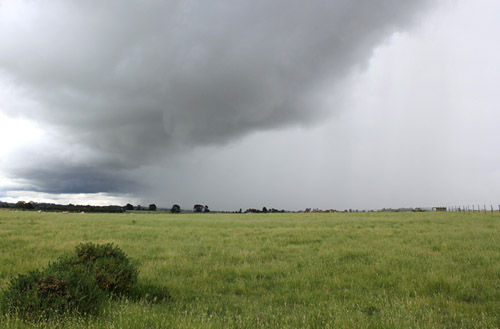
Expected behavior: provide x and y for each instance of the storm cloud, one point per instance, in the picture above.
(121, 85)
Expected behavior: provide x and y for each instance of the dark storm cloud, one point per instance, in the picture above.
(130, 82)
(75, 180)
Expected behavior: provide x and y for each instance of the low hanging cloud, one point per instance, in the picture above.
(121, 85)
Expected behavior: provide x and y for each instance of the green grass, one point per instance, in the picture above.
(363, 270)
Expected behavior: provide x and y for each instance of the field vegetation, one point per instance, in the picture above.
(335, 270)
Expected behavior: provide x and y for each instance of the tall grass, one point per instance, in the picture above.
(363, 270)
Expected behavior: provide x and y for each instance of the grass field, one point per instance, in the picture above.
(359, 270)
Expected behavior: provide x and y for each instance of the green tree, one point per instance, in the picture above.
(175, 209)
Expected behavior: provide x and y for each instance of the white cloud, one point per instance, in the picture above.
(96, 199)
(17, 133)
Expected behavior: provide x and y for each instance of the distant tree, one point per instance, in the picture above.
(152, 207)
(264, 209)
(206, 209)
(175, 209)
(129, 207)
(139, 207)
(20, 205)
(198, 208)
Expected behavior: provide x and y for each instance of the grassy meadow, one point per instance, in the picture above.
(336, 270)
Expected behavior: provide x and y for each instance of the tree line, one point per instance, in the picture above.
(197, 208)
(22, 205)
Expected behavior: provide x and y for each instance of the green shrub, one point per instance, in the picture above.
(74, 284)
(110, 266)
(52, 292)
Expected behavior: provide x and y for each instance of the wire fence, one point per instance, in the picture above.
(469, 208)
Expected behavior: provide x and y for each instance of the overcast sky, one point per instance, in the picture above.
(359, 104)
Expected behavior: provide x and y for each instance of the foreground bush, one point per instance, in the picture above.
(109, 265)
(74, 284)
(52, 292)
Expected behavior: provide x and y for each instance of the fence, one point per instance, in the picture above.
(467, 208)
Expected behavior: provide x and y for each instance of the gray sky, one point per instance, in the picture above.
(237, 104)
